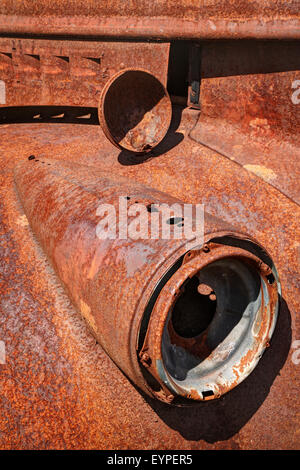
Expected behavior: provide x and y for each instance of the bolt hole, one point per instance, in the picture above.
(270, 278)
(207, 393)
(31, 157)
(175, 220)
(152, 208)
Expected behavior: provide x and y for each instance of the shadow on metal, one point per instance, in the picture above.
(89, 116)
(219, 420)
(50, 114)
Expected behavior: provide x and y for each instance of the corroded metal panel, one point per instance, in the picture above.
(66, 73)
(159, 19)
(59, 388)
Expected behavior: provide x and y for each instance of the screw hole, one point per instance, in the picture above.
(175, 220)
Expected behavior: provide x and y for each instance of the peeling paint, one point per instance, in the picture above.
(263, 172)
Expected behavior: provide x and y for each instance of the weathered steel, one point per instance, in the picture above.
(249, 109)
(71, 73)
(55, 373)
(278, 19)
(111, 281)
(204, 363)
(135, 110)
(239, 157)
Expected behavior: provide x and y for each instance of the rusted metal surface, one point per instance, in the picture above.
(159, 19)
(59, 389)
(71, 73)
(239, 156)
(248, 111)
(135, 110)
(212, 362)
(109, 281)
